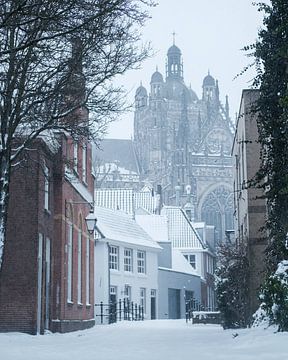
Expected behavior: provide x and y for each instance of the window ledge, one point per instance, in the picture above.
(69, 302)
(142, 275)
(115, 272)
(128, 272)
(80, 304)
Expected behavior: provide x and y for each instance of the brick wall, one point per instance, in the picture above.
(18, 290)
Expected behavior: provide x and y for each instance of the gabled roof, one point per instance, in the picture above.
(179, 263)
(115, 199)
(127, 200)
(181, 231)
(119, 226)
(155, 225)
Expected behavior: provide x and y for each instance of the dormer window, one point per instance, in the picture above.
(191, 258)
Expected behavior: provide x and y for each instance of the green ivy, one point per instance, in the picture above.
(271, 59)
(231, 286)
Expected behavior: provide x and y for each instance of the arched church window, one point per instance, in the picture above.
(217, 210)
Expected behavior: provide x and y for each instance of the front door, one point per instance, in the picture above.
(153, 304)
(173, 303)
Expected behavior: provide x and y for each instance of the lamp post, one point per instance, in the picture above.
(91, 221)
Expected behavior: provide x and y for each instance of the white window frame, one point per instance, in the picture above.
(84, 163)
(46, 187)
(113, 257)
(69, 262)
(88, 271)
(75, 156)
(191, 258)
(79, 267)
(141, 262)
(128, 260)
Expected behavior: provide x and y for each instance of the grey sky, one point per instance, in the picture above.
(210, 35)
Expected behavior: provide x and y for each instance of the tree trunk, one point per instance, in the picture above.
(4, 198)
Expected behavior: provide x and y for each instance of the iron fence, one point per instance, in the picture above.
(198, 313)
(120, 310)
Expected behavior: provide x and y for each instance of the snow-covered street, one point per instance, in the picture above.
(149, 340)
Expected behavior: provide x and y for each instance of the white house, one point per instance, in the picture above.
(126, 262)
(177, 279)
(198, 250)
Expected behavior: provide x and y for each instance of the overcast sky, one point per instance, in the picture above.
(210, 34)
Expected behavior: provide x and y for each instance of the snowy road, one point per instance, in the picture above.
(149, 340)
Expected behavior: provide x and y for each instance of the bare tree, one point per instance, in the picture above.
(41, 83)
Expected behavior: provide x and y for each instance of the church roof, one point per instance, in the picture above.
(174, 50)
(174, 90)
(141, 91)
(208, 80)
(156, 77)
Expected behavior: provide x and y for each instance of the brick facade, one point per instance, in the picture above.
(33, 291)
(250, 206)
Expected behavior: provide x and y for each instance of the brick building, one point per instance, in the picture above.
(250, 206)
(47, 272)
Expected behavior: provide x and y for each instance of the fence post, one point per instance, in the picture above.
(119, 309)
(128, 309)
(132, 311)
(101, 312)
(125, 308)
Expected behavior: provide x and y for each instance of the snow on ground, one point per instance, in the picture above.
(149, 340)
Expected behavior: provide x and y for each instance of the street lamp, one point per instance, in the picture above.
(91, 221)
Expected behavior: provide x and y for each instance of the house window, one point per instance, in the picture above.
(114, 258)
(143, 298)
(75, 156)
(141, 262)
(88, 271)
(46, 188)
(128, 260)
(84, 163)
(69, 262)
(191, 259)
(79, 272)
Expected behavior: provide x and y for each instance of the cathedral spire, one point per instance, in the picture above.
(183, 131)
(174, 67)
(174, 34)
(227, 107)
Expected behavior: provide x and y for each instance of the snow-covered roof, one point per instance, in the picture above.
(117, 199)
(155, 225)
(179, 263)
(127, 200)
(119, 226)
(181, 231)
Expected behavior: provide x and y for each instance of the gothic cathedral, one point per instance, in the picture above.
(183, 143)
